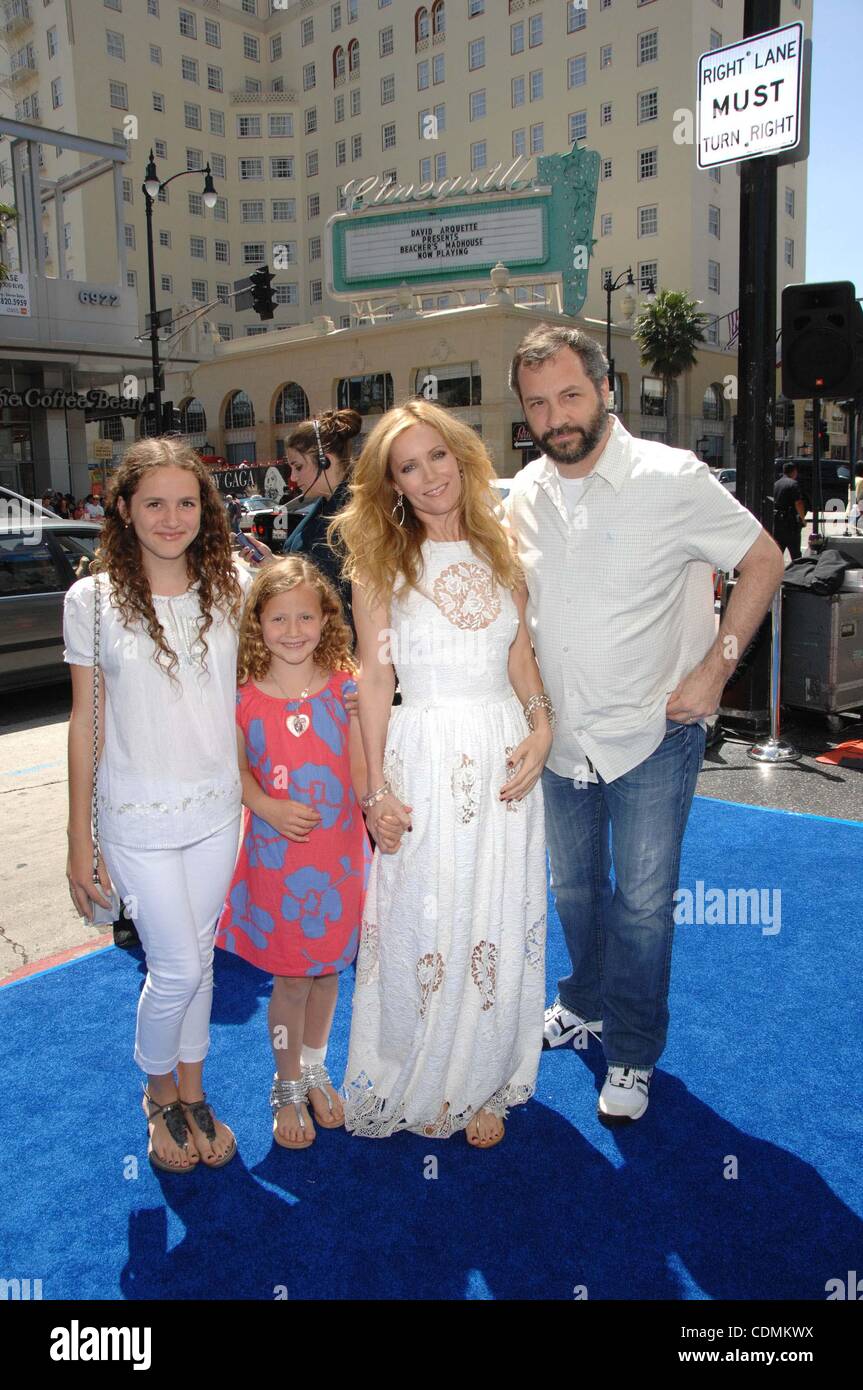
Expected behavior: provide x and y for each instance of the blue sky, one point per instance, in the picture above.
(834, 224)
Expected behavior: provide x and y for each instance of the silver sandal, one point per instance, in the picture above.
(293, 1093)
(316, 1077)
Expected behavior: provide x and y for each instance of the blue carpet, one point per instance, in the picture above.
(760, 1078)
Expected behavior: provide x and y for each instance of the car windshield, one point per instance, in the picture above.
(258, 504)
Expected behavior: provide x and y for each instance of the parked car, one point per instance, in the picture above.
(38, 559)
(728, 478)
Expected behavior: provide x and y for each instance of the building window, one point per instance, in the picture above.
(254, 252)
(606, 169)
(218, 165)
(167, 284)
(426, 169)
(789, 252)
(284, 209)
(536, 85)
(339, 108)
(308, 77)
(316, 291)
(217, 122)
(385, 41)
(189, 69)
(648, 275)
(291, 406)
(713, 221)
(605, 56)
(606, 112)
(537, 138)
(713, 276)
(160, 148)
(212, 33)
(519, 142)
(222, 251)
(388, 137)
(188, 25)
(198, 248)
(280, 123)
(652, 396)
(215, 81)
(314, 248)
(648, 221)
(440, 166)
(716, 174)
(576, 70)
(648, 106)
(478, 155)
(789, 202)
(281, 166)
(115, 45)
(648, 46)
(153, 8)
(648, 163)
(51, 36)
(474, 8)
(606, 223)
(476, 54)
(355, 101)
(251, 168)
(194, 159)
(158, 101)
(251, 48)
(356, 147)
(220, 211)
(577, 126)
(192, 115)
(516, 37)
(312, 165)
(423, 75)
(715, 39)
(252, 85)
(118, 95)
(335, 17)
(275, 48)
(438, 68)
(155, 54)
(252, 210)
(535, 30)
(576, 14)
(388, 90)
(196, 205)
(314, 205)
(341, 151)
(199, 291)
(288, 294)
(369, 395)
(477, 105)
(249, 6)
(225, 331)
(127, 191)
(307, 32)
(129, 236)
(57, 92)
(518, 91)
(254, 330)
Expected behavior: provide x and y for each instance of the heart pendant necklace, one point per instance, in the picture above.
(298, 723)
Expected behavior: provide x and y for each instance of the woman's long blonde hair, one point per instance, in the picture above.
(208, 558)
(333, 652)
(380, 551)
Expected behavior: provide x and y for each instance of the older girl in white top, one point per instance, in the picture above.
(169, 793)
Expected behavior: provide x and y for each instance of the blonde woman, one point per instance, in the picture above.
(448, 1006)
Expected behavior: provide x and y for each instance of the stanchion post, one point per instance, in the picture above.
(774, 749)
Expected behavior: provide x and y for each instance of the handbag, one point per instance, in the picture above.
(102, 916)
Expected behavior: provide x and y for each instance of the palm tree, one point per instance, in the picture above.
(7, 215)
(668, 332)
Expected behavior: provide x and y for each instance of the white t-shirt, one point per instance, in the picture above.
(94, 509)
(572, 489)
(168, 773)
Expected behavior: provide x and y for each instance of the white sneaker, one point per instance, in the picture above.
(562, 1027)
(625, 1093)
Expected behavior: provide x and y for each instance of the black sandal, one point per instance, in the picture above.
(204, 1115)
(175, 1123)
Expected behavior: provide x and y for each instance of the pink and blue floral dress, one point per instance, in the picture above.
(295, 909)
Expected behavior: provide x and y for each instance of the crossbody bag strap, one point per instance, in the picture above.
(94, 803)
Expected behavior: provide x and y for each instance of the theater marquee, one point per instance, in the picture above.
(541, 229)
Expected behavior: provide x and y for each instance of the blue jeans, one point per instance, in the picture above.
(619, 940)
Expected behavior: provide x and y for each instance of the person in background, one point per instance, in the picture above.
(318, 453)
(235, 511)
(789, 510)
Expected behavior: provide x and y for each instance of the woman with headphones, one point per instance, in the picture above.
(318, 452)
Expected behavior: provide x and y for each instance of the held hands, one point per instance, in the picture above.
(531, 753)
(388, 820)
(293, 819)
(79, 872)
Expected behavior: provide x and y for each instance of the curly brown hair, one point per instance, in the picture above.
(333, 652)
(208, 558)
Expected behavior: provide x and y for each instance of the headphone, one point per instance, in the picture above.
(323, 461)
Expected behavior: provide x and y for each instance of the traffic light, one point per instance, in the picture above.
(149, 423)
(263, 299)
(822, 341)
(823, 439)
(171, 420)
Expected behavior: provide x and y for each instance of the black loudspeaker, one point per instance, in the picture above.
(822, 341)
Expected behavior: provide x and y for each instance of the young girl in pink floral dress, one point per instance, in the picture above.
(294, 906)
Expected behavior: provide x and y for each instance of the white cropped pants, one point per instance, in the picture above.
(177, 896)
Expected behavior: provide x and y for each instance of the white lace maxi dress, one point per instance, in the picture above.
(450, 989)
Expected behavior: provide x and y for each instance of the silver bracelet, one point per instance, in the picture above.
(540, 701)
(372, 798)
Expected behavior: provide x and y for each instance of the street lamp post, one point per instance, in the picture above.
(152, 186)
(609, 285)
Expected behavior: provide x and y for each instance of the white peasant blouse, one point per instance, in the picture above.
(168, 774)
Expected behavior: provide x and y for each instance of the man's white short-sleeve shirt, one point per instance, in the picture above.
(620, 603)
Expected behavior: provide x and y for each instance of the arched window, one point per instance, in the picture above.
(354, 55)
(338, 62)
(421, 23)
(193, 419)
(711, 406)
(292, 404)
(438, 16)
(239, 412)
